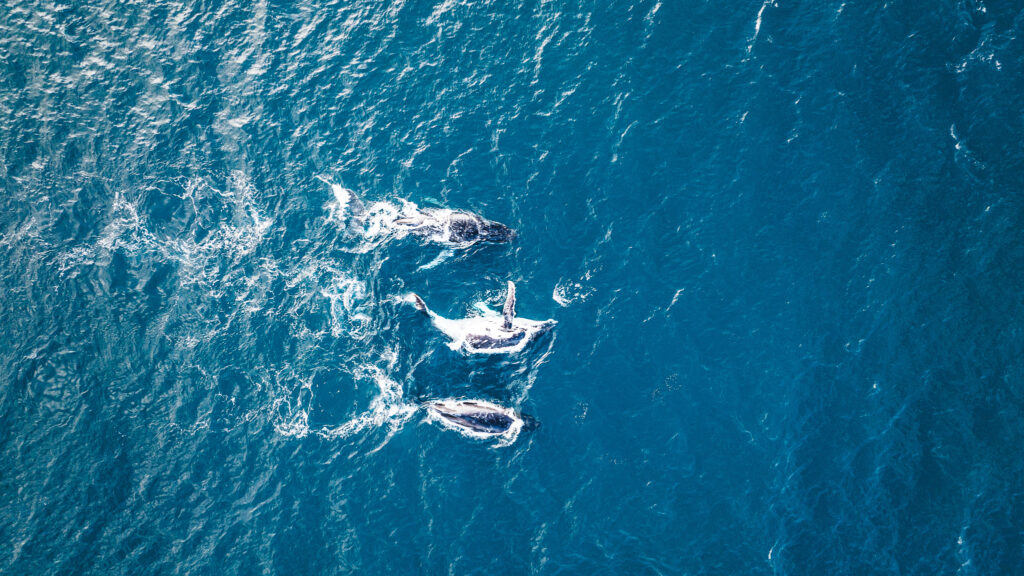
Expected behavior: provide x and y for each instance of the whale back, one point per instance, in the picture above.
(475, 416)
(495, 342)
(486, 422)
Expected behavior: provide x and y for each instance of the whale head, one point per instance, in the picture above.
(496, 232)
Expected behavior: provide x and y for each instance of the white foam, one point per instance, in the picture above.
(343, 196)
(486, 310)
(567, 292)
(387, 410)
(347, 296)
(296, 427)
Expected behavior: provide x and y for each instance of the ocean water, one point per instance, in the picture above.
(782, 242)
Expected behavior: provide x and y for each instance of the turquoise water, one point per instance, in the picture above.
(782, 242)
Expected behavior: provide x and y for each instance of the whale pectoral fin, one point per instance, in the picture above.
(509, 312)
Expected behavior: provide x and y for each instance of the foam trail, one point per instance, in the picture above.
(387, 410)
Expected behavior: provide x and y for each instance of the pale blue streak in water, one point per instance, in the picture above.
(782, 242)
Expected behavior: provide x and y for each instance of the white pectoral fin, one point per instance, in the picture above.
(509, 312)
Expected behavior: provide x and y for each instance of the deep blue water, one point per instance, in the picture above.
(782, 241)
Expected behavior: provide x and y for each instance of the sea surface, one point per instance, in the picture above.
(783, 242)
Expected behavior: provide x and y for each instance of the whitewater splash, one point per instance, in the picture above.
(568, 292)
(384, 220)
(374, 224)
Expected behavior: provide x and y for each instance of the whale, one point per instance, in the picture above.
(490, 333)
(477, 418)
(455, 228)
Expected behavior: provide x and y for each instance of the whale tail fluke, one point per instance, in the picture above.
(420, 304)
(349, 204)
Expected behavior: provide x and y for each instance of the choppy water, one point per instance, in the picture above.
(782, 242)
